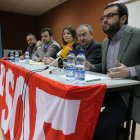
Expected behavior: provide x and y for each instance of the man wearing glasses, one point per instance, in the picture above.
(91, 48)
(120, 58)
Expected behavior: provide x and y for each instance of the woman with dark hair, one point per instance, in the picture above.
(69, 39)
(69, 35)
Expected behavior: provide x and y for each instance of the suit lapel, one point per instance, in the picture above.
(124, 43)
(89, 49)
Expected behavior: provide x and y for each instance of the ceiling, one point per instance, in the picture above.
(29, 7)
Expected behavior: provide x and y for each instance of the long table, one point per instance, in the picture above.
(31, 94)
(37, 107)
(113, 85)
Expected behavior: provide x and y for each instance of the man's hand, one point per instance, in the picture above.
(21, 57)
(88, 66)
(39, 44)
(35, 58)
(49, 60)
(120, 71)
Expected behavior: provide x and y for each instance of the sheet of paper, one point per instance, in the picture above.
(32, 62)
(91, 77)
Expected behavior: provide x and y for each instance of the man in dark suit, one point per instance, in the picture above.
(31, 41)
(31, 48)
(120, 58)
(91, 47)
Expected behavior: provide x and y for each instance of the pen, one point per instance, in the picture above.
(93, 80)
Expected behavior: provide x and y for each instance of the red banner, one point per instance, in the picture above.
(38, 108)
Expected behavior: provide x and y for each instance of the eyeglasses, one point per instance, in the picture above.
(109, 16)
(82, 35)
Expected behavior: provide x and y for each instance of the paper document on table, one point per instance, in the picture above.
(36, 63)
(32, 62)
(90, 78)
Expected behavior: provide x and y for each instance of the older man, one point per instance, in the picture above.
(91, 47)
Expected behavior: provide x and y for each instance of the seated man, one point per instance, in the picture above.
(69, 39)
(91, 47)
(31, 41)
(120, 58)
(50, 47)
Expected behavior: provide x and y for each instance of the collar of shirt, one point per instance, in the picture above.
(31, 48)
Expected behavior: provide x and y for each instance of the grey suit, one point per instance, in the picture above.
(129, 55)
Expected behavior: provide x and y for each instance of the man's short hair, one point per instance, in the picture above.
(49, 30)
(90, 29)
(31, 34)
(122, 9)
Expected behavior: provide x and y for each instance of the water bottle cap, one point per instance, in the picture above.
(81, 52)
(72, 51)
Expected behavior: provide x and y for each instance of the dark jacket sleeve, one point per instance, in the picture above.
(93, 53)
(52, 51)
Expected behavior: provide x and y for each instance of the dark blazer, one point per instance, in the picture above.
(129, 55)
(92, 53)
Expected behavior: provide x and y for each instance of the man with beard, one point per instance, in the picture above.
(31, 41)
(120, 58)
(49, 48)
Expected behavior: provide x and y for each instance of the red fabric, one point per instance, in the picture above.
(90, 98)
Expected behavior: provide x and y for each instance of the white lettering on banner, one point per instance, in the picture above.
(9, 122)
(1, 79)
(50, 109)
(55, 110)
(18, 92)
(5, 122)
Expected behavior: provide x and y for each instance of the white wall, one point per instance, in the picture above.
(134, 13)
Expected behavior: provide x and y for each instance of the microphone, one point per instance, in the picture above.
(52, 64)
(64, 53)
(55, 60)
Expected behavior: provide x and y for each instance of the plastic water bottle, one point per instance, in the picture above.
(27, 57)
(16, 56)
(12, 55)
(80, 68)
(70, 68)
